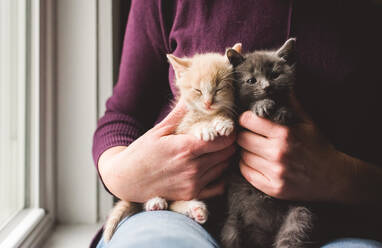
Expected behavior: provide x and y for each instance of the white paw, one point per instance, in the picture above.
(223, 127)
(198, 211)
(206, 133)
(156, 203)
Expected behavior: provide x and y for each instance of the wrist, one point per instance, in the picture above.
(107, 164)
(358, 182)
(342, 178)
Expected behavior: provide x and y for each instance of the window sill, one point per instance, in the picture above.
(73, 235)
(20, 227)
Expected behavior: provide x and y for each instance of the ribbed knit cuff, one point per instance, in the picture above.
(114, 129)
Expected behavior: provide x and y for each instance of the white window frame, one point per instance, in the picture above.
(49, 203)
(106, 78)
(13, 72)
(84, 82)
(31, 225)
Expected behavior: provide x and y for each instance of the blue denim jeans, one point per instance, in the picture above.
(165, 229)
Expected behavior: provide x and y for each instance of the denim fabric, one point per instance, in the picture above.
(166, 229)
(162, 229)
(353, 243)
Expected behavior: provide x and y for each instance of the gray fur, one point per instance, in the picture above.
(254, 218)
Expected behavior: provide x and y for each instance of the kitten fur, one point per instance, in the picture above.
(265, 81)
(206, 86)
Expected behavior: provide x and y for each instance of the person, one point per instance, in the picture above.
(331, 158)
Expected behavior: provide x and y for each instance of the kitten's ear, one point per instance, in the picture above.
(237, 47)
(180, 65)
(234, 56)
(287, 50)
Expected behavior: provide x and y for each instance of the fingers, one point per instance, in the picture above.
(200, 147)
(213, 173)
(212, 190)
(210, 160)
(276, 186)
(254, 143)
(261, 126)
(169, 124)
(259, 164)
(254, 177)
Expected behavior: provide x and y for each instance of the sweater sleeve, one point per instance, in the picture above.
(143, 86)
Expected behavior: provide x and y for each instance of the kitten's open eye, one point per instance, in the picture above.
(251, 81)
(197, 91)
(275, 74)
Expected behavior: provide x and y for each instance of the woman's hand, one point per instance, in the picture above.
(159, 163)
(293, 163)
(297, 163)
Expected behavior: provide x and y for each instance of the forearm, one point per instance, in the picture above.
(116, 183)
(361, 185)
(125, 174)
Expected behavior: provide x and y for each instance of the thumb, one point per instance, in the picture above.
(169, 124)
(299, 109)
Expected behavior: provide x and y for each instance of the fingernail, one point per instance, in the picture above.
(245, 117)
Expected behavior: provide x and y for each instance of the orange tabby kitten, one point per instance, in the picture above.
(206, 86)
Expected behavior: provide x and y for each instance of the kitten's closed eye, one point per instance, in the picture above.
(222, 88)
(218, 90)
(197, 91)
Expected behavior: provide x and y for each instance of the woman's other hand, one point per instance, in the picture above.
(159, 163)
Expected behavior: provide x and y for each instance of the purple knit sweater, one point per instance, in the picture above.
(338, 78)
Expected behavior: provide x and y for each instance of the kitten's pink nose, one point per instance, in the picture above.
(207, 104)
(265, 84)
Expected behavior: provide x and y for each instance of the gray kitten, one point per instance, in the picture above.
(265, 80)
